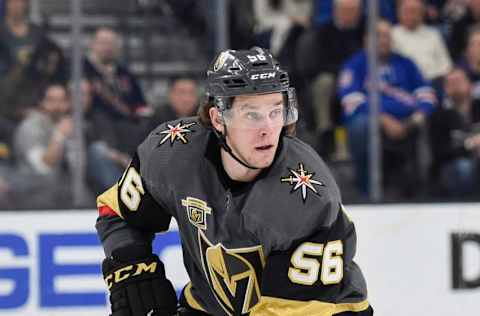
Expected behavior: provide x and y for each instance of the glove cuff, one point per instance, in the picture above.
(136, 280)
(118, 274)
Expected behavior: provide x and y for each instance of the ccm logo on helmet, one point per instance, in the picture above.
(266, 75)
(129, 271)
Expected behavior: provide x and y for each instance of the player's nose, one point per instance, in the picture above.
(266, 129)
(268, 126)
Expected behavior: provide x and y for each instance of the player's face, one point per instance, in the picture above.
(254, 126)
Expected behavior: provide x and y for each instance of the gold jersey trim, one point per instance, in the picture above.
(191, 301)
(109, 199)
(272, 306)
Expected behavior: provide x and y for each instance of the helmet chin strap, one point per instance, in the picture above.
(223, 143)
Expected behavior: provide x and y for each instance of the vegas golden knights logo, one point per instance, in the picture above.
(234, 275)
(197, 211)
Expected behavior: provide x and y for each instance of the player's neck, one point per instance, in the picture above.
(235, 170)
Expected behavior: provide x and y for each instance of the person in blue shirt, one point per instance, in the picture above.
(323, 10)
(406, 99)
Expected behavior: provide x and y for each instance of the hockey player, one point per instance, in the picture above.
(260, 217)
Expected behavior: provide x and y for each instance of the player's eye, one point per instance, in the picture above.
(253, 116)
(275, 114)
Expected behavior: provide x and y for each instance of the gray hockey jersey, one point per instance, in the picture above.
(279, 245)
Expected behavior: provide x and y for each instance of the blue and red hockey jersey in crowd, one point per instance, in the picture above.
(403, 90)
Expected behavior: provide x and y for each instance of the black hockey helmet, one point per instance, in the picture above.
(244, 72)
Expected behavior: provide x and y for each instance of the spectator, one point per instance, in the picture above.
(182, 101)
(438, 12)
(279, 25)
(115, 89)
(18, 37)
(321, 55)
(457, 39)
(455, 138)
(422, 43)
(470, 63)
(117, 100)
(28, 62)
(40, 138)
(405, 101)
(41, 148)
(119, 115)
(323, 11)
(104, 164)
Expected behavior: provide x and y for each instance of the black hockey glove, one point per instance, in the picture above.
(137, 283)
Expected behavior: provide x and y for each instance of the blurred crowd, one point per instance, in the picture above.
(429, 84)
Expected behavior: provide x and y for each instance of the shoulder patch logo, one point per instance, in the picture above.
(301, 179)
(197, 211)
(177, 132)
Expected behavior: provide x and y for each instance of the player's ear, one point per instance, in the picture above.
(216, 119)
